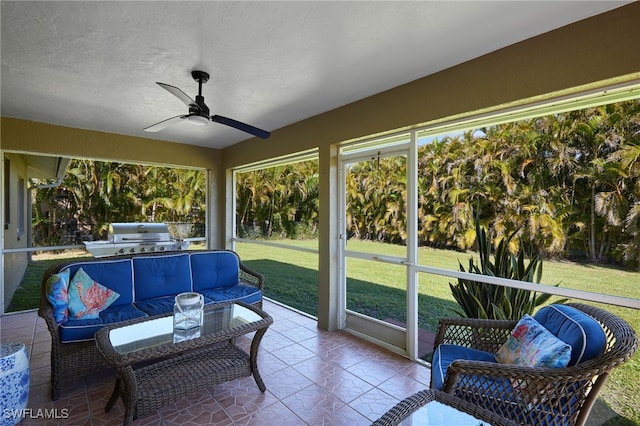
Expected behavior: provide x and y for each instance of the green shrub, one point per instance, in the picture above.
(488, 301)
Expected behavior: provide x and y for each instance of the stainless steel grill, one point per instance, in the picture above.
(126, 238)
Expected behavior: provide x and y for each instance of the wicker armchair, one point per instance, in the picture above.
(532, 395)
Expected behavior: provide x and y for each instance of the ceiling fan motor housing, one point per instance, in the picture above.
(202, 109)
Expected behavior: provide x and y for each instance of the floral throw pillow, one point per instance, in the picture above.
(57, 287)
(532, 345)
(87, 298)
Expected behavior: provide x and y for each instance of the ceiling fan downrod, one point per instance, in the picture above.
(201, 77)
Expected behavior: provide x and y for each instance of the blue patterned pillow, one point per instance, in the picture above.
(532, 345)
(87, 298)
(57, 287)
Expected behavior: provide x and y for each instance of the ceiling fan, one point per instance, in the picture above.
(199, 111)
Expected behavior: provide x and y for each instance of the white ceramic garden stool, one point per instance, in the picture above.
(14, 382)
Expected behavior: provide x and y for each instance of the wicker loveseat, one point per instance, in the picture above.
(527, 395)
(146, 286)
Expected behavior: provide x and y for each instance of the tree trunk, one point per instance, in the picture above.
(603, 245)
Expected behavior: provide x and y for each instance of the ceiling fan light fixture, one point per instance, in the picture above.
(198, 119)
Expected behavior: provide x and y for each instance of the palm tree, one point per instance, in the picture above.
(98, 193)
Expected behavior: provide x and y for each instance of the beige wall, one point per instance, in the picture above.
(30, 136)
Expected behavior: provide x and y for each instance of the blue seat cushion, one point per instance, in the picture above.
(77, 330)
(157, 306)
(114, 274)
(214, 269)
(445, 354)
(158, 276)
(240, 292)
(583, 333)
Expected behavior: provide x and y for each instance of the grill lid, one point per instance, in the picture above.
(138, 232)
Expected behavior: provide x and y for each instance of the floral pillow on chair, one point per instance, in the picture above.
(532, 345)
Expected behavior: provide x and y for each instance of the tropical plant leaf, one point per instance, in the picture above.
(488, 301)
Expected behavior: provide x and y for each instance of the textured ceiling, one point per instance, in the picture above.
(93, 65)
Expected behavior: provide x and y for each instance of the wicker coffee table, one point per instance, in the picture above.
(155, 366)
(436, 408)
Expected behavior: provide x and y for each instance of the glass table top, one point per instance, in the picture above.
(159, 331)
(435, 413)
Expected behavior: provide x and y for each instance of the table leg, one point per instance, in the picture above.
(114, 396)
(253, 358)
(128, 391)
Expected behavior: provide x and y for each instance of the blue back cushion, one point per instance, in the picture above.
(214, 269)
(157, 276)
(582, 332)
(114, 274)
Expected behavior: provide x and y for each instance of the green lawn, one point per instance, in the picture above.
(27, 295)
(376, 288)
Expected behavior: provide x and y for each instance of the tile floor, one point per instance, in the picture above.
(312, 377)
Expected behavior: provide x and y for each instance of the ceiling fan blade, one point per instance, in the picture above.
(165, 123)
(179, 94)
(241, 126)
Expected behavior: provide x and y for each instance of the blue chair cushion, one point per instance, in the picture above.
(80, 330)
(158, 276)
(583, 333)
(445, 354)
(240, 292)
(114, 274)
(214, 269)
(157, 306)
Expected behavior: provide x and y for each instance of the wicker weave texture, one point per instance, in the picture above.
(165, 382)
(409, 405)
(69, 361)
(148, 379)
(532, 395)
